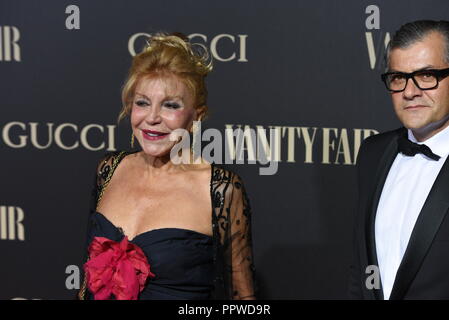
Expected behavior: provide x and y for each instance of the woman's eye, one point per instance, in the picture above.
(141, 103)
(172, 105)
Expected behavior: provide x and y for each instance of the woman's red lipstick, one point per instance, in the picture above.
(153, 135)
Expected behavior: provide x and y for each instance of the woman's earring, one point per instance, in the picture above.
(132, 140)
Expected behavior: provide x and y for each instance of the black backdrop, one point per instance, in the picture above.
(309, 69)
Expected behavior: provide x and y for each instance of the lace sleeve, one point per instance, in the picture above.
(233, 216)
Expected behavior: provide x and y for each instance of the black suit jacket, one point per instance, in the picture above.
(424, 269)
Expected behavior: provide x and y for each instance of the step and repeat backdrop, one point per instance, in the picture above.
(303, 74)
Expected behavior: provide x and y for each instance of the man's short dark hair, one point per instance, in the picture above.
(412, 32)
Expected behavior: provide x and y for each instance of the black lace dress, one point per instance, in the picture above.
(187, 264)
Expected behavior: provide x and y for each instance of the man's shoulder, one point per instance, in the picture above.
(384, 138)
(374, 147)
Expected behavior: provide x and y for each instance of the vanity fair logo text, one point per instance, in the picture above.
(246, 144)
(313, 145)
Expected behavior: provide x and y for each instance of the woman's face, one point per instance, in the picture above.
(160, 106)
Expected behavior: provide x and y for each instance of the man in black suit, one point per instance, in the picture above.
(401, 231)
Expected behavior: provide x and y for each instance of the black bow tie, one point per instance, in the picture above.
(405, 146)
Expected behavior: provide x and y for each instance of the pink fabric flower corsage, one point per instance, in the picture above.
(116, 268)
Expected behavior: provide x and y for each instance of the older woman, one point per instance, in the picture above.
(160, 230)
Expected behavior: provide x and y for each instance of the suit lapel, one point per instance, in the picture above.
(383, 168)
(429, 220)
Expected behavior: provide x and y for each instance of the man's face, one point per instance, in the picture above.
(425, 112)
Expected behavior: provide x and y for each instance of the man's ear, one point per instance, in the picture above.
(201, 113)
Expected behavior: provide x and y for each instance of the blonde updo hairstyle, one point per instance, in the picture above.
(170, 54)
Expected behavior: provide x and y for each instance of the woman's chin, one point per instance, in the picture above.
(156, 152)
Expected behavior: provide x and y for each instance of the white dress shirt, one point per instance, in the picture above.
(406, 188)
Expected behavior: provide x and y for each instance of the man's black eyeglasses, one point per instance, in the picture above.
(424, 79)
